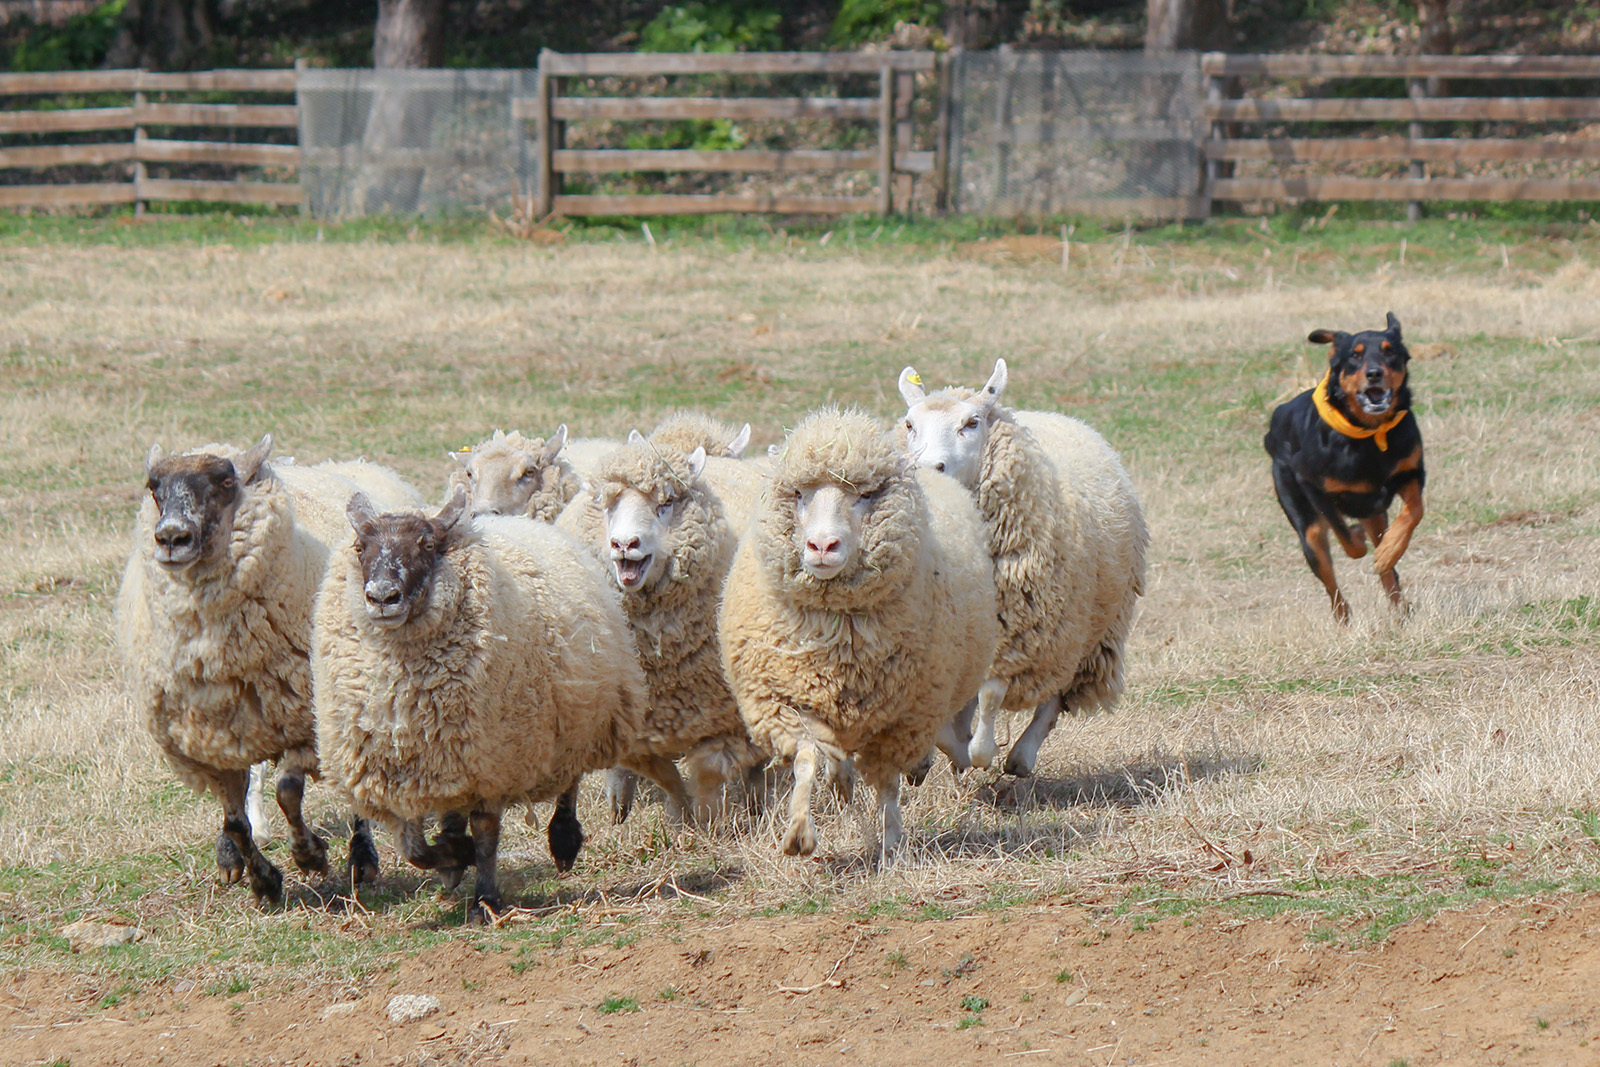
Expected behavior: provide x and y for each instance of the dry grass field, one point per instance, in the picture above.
(1267, 770)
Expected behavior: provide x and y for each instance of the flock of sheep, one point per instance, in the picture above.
(845, 605)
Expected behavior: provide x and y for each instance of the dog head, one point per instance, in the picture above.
(1367, 371)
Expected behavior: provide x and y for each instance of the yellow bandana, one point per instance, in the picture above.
(1335, 418)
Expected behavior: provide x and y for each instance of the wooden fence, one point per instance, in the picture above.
(1226, 147)
(135, 120)
(893, 158)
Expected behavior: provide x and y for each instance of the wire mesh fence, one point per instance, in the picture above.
(407, 142)
(1040, 133)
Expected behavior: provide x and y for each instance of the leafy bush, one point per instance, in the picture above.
(713, 26)
(859, 21)
(80, 43)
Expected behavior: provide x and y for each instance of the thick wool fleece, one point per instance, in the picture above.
(674, 621)
(217, 656)
(1068, 541)
(689, 430)
(516, 678)
(558, 482)
(871, 662)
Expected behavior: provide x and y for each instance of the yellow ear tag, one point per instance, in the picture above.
(914, 378)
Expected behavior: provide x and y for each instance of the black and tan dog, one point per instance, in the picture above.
(1344, 450)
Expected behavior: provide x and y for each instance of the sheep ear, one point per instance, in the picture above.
(740, 442)
(697, 461)
(553, 446)
(248, 465)
(499, 435)
(359, 511)
(1394, 326)
(1326, 337)
(152, 457)
(636, 438)
(996, 385)
(774, 452)
(911, 390)
(463, 458)
(453, 508)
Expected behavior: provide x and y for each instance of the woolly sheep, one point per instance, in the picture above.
(1067, 538)
(859, 615)
(662, 533)
(214, 622)
(510, 474)
(689, 430)
(462, 666)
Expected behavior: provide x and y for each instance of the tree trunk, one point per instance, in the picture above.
(1435, 18)
(164, 34)
(410, 34)
(1177, 25)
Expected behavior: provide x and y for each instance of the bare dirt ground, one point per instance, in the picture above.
(1518, 983)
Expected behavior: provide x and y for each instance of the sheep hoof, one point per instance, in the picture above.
(917, 774)
(230, 864)
(311, 856)
(801, 840)
(1018, 767)
(363, 861)
(266, 884)
(981, 755)
(484, 911)
(450, 877)
(566, 839)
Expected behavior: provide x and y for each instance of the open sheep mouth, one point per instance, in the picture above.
(631, 572)
(1375, 401)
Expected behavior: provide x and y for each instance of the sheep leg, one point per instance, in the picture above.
(310, 852)
(565, 833)
(1025, 753)
(842, 779)
(664, 773)
(486, 845)
(801, 838)
(266, 881)
(621, 785)
(450, 852)
(983, 748)
(363, 864)
(230, 865)
(888, 797)
(757, 788)
(705, 771)
(954, 737)
(259, 825)
(917, 773)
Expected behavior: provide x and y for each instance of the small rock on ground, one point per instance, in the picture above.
(409, 1007)
(88, 935)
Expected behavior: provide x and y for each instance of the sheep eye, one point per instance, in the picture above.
(910, 428)
(229, 482)
(664, 509)
(972, 424)
(527, 474)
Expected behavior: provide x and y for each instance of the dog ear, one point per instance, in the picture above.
(1327, 337)
(1394, 327)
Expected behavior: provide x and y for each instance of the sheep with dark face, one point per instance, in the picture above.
(1067, 540)
(214, 621)
(463, 666)
(859, 615)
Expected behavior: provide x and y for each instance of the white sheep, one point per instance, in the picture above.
(859, 615)
(510, 474)
(663, 534)
(214, 622)
(689, 430)
(462, 666)
(1067, 538)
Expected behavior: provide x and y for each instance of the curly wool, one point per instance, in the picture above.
(517, 678)
(689, 430)
(1068, 541)
(218, 657)
(674, 621)
(874, 661)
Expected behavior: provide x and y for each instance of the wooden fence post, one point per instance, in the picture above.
(941, 135)
(544, 172)
(138, 149)
(885, 140)
(1418, 91)
(1216, 91)
(905, 95)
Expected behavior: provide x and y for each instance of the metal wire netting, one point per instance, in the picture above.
(412, 141)
(1036, 133)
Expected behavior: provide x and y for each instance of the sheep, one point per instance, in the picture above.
(859, 615)
(464, 665)
(688, 430)
(1067, 537)
(510, 474)
(214, 623)
(662, 533)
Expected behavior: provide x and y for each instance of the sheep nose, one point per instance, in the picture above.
(383, 594)
(828, 547)
(620, 545)
(171, 535)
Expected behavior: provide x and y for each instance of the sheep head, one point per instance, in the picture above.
(648, 507)
(948, 430)
(399, 553)
(505, 471)
(196, 495)
(843, 517)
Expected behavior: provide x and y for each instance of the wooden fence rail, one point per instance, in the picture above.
(138, 148)
(893, 158)
(1227, 145)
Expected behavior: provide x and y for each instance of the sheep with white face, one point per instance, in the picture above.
(639, 531)
(948, 435)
